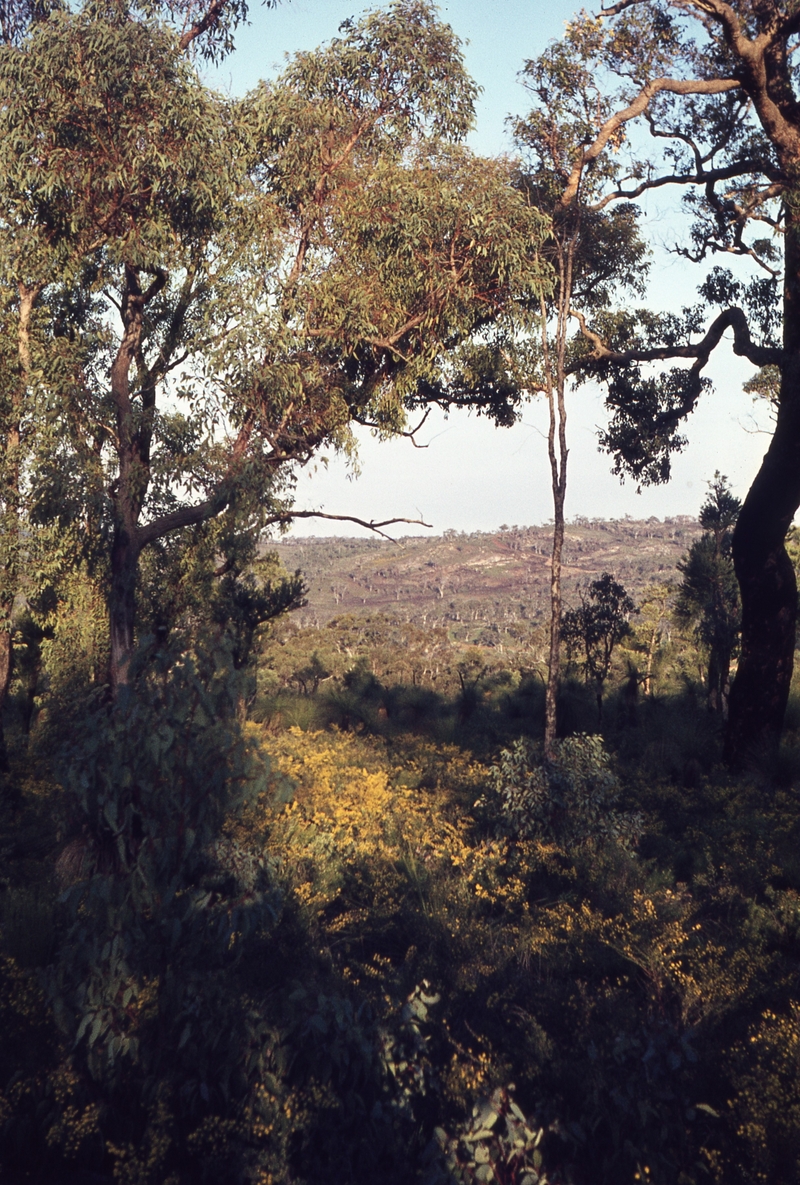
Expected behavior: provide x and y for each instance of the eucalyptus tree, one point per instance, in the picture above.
(597, 256)
(222, 288)
(712, 86)
(208, 32)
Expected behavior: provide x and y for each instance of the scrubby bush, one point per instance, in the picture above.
(569, 798)
(298, 968)
(497, 1144)
(162, 905)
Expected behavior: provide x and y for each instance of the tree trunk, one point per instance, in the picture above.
(553, 661)
(555, 383)
(714, 682)
(760, 690)
(651, 651)
(122, 608)
(10, 495)
(5, 680)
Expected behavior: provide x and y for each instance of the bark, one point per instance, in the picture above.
(5, 680)
(551, 690)
(556, 378)
(651, 651)
(11, 495)
(719, 666)
(122, 607)
(760, 690)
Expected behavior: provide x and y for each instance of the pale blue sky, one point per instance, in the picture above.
(473, 476)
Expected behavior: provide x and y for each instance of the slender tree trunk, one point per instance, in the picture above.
(555, 381)
(760, 690)
(554, 655)
(651, 650)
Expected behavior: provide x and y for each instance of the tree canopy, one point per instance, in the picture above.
(205, 292)
(698, 95)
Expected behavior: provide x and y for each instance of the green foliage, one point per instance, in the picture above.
(88, 110)
(162, 903)
(767, 1100)
(569, 798)
(209, 292)
(356, 957)
(300, 968)
(497, 1144)
(595, 628)
(708, 597)
(213, 582)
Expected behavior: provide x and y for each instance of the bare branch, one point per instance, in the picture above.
(410, 435)
(289, 515)
(702, 177)
(616, 9)
(209, 21)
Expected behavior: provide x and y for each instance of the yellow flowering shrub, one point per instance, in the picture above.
(766, 1105)
(413, 959)
(357, 820)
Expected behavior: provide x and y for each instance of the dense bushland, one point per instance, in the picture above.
(342, 936)
(291, 906)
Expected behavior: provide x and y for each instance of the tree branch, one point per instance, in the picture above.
(734, 319)
(209, 21)
(410, 435)
(289, 515)
(190, 516)
(701, 177)
(676, 86)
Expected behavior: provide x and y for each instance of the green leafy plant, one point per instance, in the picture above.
(708, 597)
(595, 627)
(164, 902)
(497, 1144)
(569, 798)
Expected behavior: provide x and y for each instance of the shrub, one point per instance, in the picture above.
(145, 984)
(569, 799)
(496, 1145)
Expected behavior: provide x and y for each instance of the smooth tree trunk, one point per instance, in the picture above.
(555, 385)
(554, 655)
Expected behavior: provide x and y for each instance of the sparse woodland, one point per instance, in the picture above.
(293, 889)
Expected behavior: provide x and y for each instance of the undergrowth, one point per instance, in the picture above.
(363, 966)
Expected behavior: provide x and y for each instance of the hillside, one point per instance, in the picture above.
(481, 581)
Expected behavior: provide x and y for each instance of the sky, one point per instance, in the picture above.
(472, 476)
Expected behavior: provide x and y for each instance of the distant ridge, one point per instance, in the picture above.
(483, 576)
